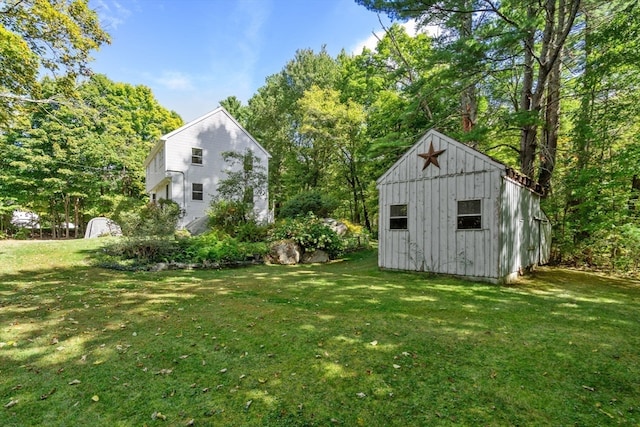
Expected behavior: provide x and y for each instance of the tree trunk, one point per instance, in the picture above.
(469, 100)
(528, 132)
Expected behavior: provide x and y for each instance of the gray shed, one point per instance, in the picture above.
(447, 208)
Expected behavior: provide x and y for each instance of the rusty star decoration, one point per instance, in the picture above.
(431, 156)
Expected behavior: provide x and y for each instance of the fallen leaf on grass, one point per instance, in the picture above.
(361, 395)
(11, 403)
(164, 372)
(247, 405)
(158, 416)
(95, 398)
(75, 382)
(396, 366)
(184, 356)
(586, 387)
(224, 370)
(46, 395)
(374, 343)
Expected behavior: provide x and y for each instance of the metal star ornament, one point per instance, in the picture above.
(431, 156)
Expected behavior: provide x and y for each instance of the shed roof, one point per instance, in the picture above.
(508, 172)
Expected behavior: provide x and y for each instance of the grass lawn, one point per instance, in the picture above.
(337, 344)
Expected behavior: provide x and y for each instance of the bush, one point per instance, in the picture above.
(154, 219)
(307, 202)
(357, 237)
(310, 232)
(236, 220)
(218, 247)
(143, 250)
(226, 215)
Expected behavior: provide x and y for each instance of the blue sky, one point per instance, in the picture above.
(194, 53)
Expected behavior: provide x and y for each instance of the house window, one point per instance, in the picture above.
(196, 156)
(398, 217)
(469, 214)
(197, 191)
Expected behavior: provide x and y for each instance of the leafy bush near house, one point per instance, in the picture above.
(357, 237)
(310, 232)
(220, 248)
(236, 219)
(312, 201)
(138, 252)
(153, 219)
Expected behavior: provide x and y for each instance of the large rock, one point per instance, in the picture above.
(315, 256)
(340, 228)
(198, 226)
(286, 252)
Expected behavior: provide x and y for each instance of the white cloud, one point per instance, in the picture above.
(174, 80)
(112, 14)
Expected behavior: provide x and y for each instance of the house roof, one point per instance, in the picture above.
(219, 110)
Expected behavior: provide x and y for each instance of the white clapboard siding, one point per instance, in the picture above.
(511, 215)
(214, 133)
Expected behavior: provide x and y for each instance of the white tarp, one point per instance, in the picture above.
(25, 219)
(101, 226)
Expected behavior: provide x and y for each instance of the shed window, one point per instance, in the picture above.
(469, 214)
(197, 191)
(398, 217)
(196, 156)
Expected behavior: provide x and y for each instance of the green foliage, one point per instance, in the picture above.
(310, 233)
(226, 215)
(35, 35)
(139, 250)
(152, 220)
(357, 237)
(22, 234)
(220, 248)
(312, 201)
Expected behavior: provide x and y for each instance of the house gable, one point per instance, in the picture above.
(192, 163)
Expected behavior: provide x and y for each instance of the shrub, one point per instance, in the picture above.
(226, 215)
(310, 232)
(143, 250)
(153, 219)
(236, 220)
(218, 247)
(307, 202)
(357, 237)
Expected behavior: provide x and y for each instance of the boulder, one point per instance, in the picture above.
(198, 226)
(315, 256)
(338, 227)
(285, 252)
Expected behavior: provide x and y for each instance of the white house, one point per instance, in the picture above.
(447, 208)
(186, 165)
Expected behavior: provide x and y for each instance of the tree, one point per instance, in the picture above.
(535, 31)
(51, 36)
(69, 160)
(274, 119)
(234, 106)
(246, 179)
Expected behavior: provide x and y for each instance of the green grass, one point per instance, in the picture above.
(337, 344)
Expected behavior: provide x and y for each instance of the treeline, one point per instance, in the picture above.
(73, 159)
(548, 87)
